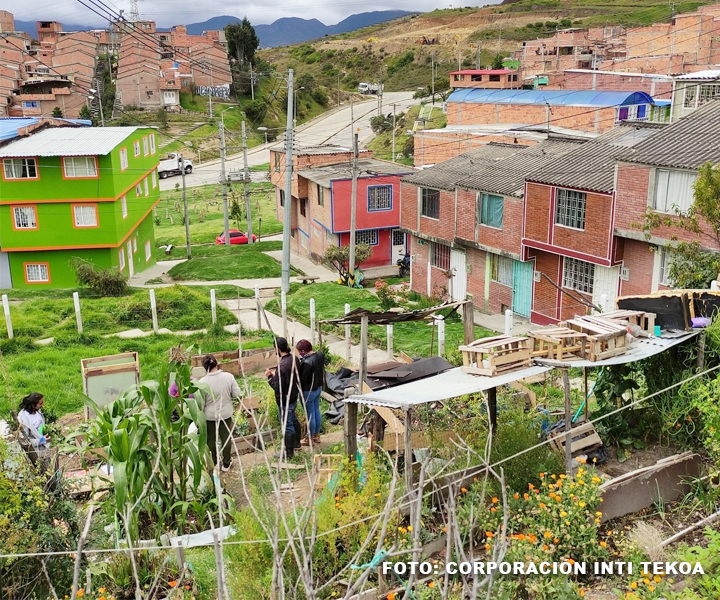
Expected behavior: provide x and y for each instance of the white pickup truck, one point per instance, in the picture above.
(170, 165)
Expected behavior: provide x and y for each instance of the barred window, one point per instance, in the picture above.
(578, 275)
(369, 237)
(440, 256)
(379, 197)
(148, 251)
(85, 215)
(79, 166)
(430, 203)
(121, 258)
(570, 208)
(37, 273)
(136, 148)
(398, 238)
(20, 168)
(501, 269)
(25, 217)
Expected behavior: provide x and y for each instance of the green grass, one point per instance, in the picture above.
(54, 370)
(209, 251)
(179, 308)
(381, 145)
(216, 263)
(330, 298)
(208, 200)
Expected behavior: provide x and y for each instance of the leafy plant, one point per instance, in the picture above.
(382, 289)
(106, 282)
(338, 257)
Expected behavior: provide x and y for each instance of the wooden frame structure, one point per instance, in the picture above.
(606, 338)
(108, 367)
(494, 355)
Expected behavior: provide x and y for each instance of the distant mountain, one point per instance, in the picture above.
(283, 32)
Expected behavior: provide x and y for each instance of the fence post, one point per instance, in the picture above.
(508, 322)
(283, 305)
(312, 321)
(389, 341)
(441, 337)
(213, 306)
(258, 308)
(153, 307)
(8, 320)
(78, 316)
(348, 336)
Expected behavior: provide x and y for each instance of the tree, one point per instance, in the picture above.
(242, 41)
(497, 62)
(338, 257)
(57, 113)
(162, 117)
(85, 113)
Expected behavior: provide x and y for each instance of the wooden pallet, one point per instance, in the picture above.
(326, 466)
(644, 320)
(494, 355)
(583, 439)
(606, 338)
(558, 343)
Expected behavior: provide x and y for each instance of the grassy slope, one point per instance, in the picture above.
(212, 263)
(208, 199)
(382, 143)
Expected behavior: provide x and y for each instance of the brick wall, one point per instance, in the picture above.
(639, 259)
(597, 80)
(436, 146)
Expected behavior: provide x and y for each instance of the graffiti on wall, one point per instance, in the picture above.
(218, 91)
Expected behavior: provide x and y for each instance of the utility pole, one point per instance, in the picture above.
(287, 205)
(102, 117)
(210, 92)
(223, 180)
(252, 87)
(379, 97)
(246, 179)
(353, 208)
(338, 90)
(352, 123)
(393, 137)
(185, 207)
(432, 69)
(478, 57)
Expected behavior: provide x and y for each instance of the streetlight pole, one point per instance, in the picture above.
(432, 74)
(264, 130)
(295, 112)
(246, 179)
(393, 136)
(338, 89)
(223, 178)
(97, 91)
(353, 210)
(287, 205)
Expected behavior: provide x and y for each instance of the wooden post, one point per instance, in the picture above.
(568, 424)
(283, 307)
(153, 308)
(508, 322)
(258, 307)
(213, 306)
(8, 319)
(78, 316)
(587, 397)
(441, 337)
(389, 328)
(350, 427)
(701, 352)
(432, 338)
(362, 372)
(492, 408)
(469, 322)
(348, 337)
(312, 321)
(408, 451)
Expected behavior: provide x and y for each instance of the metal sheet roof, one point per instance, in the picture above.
(706, 74)
(455, 383)
(68, 141)
(368, 167)
(9, 126)
(686, 144)
(590, 98)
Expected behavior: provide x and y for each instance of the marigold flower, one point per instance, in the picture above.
(494, 500)
(603, 544)
(556, 540)
(172, 584)
(489, 534)
(492, 509)
(516, 496)
(571, 561)
(487, 546)
(633, 585)
(463, 490)
(542, 505)
(542, 475)
(581, 504)
(563, 513)
(547, 534)
(444, 529)
(546, 547)
(657, 579)
(390, 596)
(80, 592)
(431, 584)
(596, 479)
(526, 496)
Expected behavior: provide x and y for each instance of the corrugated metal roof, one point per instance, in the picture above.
(315, 150)
(9, 126)
(706, 74)
(590, 98)
(368, 167)
(445, 175)
(592, 166)
(507, 176)
(686, 144)
(68, 141)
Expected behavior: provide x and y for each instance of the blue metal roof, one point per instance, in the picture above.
(588, 98)
(9, 126)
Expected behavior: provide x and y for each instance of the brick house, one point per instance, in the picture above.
(694, 90)
(464, 217)
(500, 79)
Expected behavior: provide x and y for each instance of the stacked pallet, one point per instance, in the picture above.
(495, 355)
(644, 320)
(558, 343)
(605, 337)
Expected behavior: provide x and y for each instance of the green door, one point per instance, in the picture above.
(522, 287)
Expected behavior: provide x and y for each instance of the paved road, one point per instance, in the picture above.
(333, 127)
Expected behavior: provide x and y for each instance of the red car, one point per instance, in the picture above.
(236, 237)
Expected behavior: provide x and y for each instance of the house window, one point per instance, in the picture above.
(148, 251)
(145, 186)
(664, 266)
(79, 166)
(379, 197)
(20, 168)
(136, 148)
(440, 256)
(316, 231)
(570, 209)
(330, 236)
(369, 237)
(501, 269)
(430, 203)
(25, 217)
(123, 159)
(674, 190)
(494, 78)
(578, 275)
(121, 258)
(698, 95)
(398, 237)
(37, 273)
(321, 195)
(303, 241)
(146, 147)
(490, 210)
(85, 215)
(30, 104)
(282, 198)
(152, 143)
(135, 244)
(123, 206)
(153, 178)
(138, 190)
(303, 207)
(277, 162)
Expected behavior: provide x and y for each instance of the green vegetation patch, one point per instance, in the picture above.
(220, 263)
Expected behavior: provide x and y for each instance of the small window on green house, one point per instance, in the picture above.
(136, 148)
(37, 273)
(152, 143)
(79, 166)
(20, 168)
(146, 147)
(123, 159)
(123, 207)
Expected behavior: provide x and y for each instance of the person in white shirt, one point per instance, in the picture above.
(219, 409)
(31, 419)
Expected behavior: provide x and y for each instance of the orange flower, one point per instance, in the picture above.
(547, 534)
(494, 500)
(487, 546)
(525, 496)
(81, 592)
(431, 584)
(492, 509)
(489, 534)
(390, 596)
(546, 547)
(556, 540)
(516, 496)
(571, 561)
(603, 544)
(542, 505)
(463, 490)
(101, 598)
(542, 475)
(444, 529)
(172, 584)
(537, 491)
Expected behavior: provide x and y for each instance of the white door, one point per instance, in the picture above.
(398, 246)
(458, 283)
(130, 259)
(607, 280)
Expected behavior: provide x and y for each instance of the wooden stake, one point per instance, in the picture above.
(568, 424)
(408, 450)
(492, 408)
(469, 322)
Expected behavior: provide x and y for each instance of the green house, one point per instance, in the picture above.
(70, 192)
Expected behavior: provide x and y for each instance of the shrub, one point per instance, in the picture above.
(106, 282)
(255, 110)
(382, 289)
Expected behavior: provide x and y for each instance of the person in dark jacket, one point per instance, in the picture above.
(312, 375)
(285, 382)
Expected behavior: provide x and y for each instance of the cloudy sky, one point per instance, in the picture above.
(172, 12)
